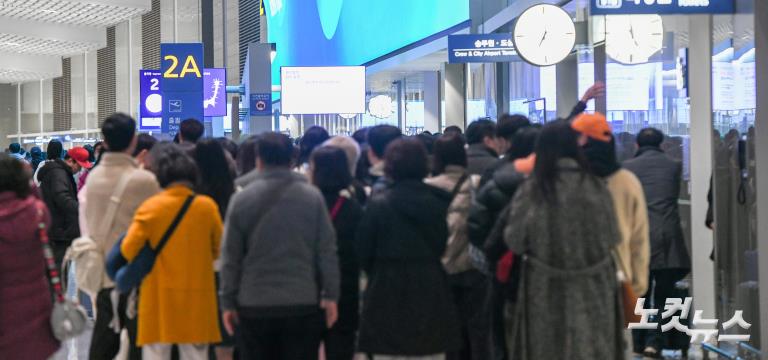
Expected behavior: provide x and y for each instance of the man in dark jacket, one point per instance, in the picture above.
(279, 263)
(59, 191)
(379, 137)
(660, 176)
(481, 153)
(490, 200)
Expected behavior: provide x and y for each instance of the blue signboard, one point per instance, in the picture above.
(150, 100)
(481, 48)
(616, 7)
(261, 104)
(181, 84)
(215, 92)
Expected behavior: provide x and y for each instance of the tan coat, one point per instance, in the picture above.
(632, 218)
(456, 258)
(101, 183)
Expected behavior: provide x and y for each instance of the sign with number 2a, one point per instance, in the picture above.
(181, 83)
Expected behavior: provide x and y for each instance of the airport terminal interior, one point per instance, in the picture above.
(383, 179)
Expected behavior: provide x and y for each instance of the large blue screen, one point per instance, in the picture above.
(353, 32)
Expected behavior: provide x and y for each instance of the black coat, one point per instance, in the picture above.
(480, 159)
(59, 191)
(488, 203)
(660, 176)
(345, 224)
(408, 308)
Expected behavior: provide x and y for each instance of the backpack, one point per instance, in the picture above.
(86, 256)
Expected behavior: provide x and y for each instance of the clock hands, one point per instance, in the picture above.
(632, 33)
(543, 37)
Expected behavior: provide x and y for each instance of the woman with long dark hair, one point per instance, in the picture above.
(217, 178)
(313, 137)
(563, 225)
(329, 171)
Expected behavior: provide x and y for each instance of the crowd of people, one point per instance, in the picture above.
(500, 242)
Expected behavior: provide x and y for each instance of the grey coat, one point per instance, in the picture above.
(660, 176)
(568, 298)
(279, 248)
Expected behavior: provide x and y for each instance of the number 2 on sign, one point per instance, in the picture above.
(190, 66)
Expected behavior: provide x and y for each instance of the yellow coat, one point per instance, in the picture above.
(177, 299)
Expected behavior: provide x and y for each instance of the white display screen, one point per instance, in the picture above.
(323, 90)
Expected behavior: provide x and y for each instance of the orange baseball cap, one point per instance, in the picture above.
(594, 126)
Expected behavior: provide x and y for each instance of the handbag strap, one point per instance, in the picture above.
(114, 204)
(459, 184)
(50, 262)
(174, 224)
(337, 207)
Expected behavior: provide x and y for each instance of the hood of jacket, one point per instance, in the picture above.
(601, 156)
(414, 200)
(52, 166)
(13, 206)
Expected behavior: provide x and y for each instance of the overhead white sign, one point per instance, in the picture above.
(323, 90)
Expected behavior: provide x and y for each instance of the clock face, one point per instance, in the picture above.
(633, 39)
(544, 35)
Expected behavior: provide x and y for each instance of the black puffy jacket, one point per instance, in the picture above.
(60, 195)
(488, 203)
(408, 308)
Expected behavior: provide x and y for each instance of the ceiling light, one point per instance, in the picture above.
(49, 11)
(11, 44)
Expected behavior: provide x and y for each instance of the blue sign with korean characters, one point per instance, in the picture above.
(181, 84)
(481, 48)
(661, 7)
(261, 104)
(151, 100)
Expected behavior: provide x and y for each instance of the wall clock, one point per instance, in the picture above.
(633, 39)
(544, 35)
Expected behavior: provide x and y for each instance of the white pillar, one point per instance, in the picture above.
(700, 87)
(130, 69)
(85, 94)
(432, 101)
(567, 75)
(175, 21)
(41, 108)
(455, 95)
(761, 154)
(18, 112)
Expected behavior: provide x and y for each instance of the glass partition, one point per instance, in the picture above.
(733, 183)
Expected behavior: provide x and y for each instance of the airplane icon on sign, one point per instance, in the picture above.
(174, 106)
